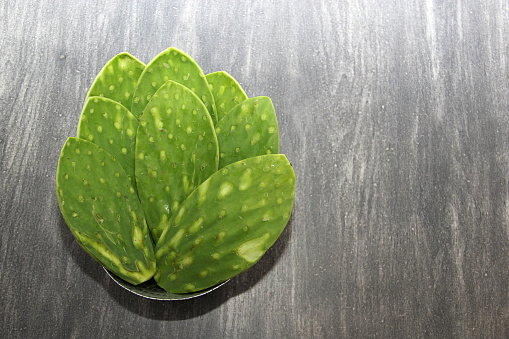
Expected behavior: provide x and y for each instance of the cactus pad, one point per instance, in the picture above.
(172, 64)
(176, 150)
(117, 80)
(111, 126)
(226, 91)
(103, 212)
(248, 130)
(226, 224)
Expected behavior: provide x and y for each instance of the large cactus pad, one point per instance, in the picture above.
(226, 224)
(117, 80)
(102, 210)
(172, 64)
(248, 130)
(111, 126)
(226, 91)
(176, 150)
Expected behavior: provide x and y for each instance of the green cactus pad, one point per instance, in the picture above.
(103, 212)
(248, 130)
(226, 91)
(172, 64)
(111, 126)
(226, 224)
(117, 80)
(176, 150)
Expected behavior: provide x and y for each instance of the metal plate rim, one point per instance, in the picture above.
(154, 292)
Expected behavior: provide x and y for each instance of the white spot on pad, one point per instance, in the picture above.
(202, 192)
(178, 217)
(220, 237)
(267, 216)
(255, 138)
(189, 287)
(195, 227)
(137, 237)
(245, 180)
(216, 256)
(186, 184)
(186, 260)
(225, 189)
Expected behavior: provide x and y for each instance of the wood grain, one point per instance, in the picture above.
(395, 118)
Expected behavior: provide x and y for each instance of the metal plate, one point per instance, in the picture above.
(150, 290)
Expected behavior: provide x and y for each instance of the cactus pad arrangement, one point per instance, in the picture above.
(174, 175)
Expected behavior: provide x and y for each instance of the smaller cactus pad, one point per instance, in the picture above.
(111, 126)
(176, 150)
(117, 80)
(172, 64)
(226, 91)
(103, 212)
(226, 224)
(248, 130)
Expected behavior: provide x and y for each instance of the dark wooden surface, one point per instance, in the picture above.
(394, 114)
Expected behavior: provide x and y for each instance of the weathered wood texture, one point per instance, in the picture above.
(394, 114)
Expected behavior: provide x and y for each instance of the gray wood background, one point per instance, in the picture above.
(394, 114)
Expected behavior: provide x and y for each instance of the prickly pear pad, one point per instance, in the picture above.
(176, 150)
(101, 208)
(248, 130)
(117, 80)
(172, 64)
(226, 91)
(226, 224)
(111, 126)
